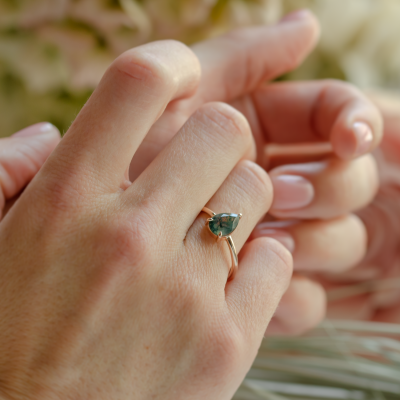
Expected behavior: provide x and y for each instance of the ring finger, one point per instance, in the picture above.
(248, 191)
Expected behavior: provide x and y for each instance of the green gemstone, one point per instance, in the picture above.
(224, 224)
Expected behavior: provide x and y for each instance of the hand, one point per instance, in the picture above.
(234, 69)
(117, 290)
(371, 291)
(21, 157)
(223, 79)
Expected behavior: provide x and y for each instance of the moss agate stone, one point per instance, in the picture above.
(224, 224)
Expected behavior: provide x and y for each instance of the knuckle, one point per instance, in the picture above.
(280, 259)
(350, 186)
(368, 169)
(126, 242)
(257, 181)
(225, 344)
(291, 59)
(345, 87)
(331, 82)
(145, 66)
(228, 120)
(153, 65)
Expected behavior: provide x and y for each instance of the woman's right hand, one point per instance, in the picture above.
(371, 290)
(117, 290)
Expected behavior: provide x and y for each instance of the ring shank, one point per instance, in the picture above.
(235, 262)
(232, 248)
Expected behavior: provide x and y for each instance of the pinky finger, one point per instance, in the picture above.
(302, 307)
(265, 268)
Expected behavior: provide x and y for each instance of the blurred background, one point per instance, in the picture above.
(54, 52)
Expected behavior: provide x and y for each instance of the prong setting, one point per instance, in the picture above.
(221, 226)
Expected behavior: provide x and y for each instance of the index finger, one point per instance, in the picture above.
(319, 111)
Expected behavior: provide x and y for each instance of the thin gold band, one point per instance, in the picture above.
(234, 257)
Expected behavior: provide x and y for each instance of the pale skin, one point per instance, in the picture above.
(379, 300)
(113, 288)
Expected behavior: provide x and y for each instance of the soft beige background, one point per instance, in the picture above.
(53, 52)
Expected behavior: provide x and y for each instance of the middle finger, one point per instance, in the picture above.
(320, 246)
(187, 173)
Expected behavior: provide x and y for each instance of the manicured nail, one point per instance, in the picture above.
(291, 192)
(363, 136)
(281, 236)
(295, 15)
(36, 129)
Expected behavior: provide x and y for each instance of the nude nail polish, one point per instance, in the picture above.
(295, 15)
(36, 129)
(291, 192)
(282, 237)
(364, 137)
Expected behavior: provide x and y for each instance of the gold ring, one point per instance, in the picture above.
(221, 226)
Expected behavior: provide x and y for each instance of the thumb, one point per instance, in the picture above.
(240, 61)
(21, 157)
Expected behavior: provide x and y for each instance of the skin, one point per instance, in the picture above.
(380, 301)
(234, 69)
(126, 295)
(343, 105)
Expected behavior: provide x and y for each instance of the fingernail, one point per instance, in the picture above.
(295, 15)
(291, 192)
(281, 236)
(36, 129)
(363, 136)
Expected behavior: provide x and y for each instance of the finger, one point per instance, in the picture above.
(264, 273)
(21, 157)
(324, 189)
(303, 306)
(233, 65)
(381, 221)
(389, 105)
(188, 172)
(293, 112)
(326, 246)
(238, 62)
(388, 315)
(132, 94)
(247, 191)
(358, 307)
(386, 288)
